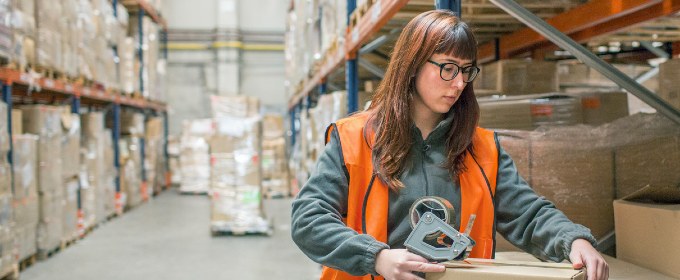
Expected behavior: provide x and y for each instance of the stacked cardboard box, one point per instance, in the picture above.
(26, 205)
(132, 132)
(530, 111)
(130, 171)
(98, 190)
(24, 29)
(194, 156)
(6, 36)
(7, 225)
(669, 86)
(515, 76)
(154, 162)
(70, 171)
(275, 179)
(45, 121)
(582, 169)
(236, 172)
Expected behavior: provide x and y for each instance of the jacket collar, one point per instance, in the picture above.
(438, 133)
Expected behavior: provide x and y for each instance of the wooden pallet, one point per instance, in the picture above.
(11, 273)
(45, 254)
(28, 262)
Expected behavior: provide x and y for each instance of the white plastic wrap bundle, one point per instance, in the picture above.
(194, 156)
(26, 213)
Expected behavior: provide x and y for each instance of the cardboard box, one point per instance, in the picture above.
(603, 107)
(154, 128)
(234, 106)
(577, 176)
(651, 162)
(17, 122)
(647, 227)
(42, 120)
(272, 126)
(92, 124)
(506, 270)
(516, 76)
(556, 110)
(669, 84)
(509, 114)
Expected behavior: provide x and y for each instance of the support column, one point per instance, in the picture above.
(453, 5)
(115, 133)
(352, 69)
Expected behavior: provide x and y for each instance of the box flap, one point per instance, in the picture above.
(656, 194)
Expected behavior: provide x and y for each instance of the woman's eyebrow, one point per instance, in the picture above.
(456, 61)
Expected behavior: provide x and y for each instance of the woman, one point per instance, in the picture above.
(419, 138)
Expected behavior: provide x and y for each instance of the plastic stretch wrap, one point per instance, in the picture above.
(237, 210)
(6, 35)
(582, 169)
(71, 145)
(50, 227)
(194, 164)
(108, 187)
(130, 180)
(128, 73)
(647, 149)
(45, 121)
(131, 124)
(25, 183)
(70, 215)
(98, 188)
(7, 251)
(234, 106)
(26, 240)
(275, 167)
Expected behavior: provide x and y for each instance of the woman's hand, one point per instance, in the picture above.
(399, 264)
(583, 254)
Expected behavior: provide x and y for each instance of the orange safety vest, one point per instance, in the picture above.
(477, 185)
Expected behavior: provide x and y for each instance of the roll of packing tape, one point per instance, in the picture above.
(438, 206)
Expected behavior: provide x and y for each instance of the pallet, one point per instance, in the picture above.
(359, 12)
(193, 192)
(224, 229)
(28, 262)
(45, 254)
(11, 273)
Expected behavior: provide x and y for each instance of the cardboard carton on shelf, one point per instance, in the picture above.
(647, 226)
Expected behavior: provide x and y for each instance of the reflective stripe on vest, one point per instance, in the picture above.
(478, 186)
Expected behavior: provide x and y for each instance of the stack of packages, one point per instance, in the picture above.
(330, 108)
(6, 36)
(194, 156)
(275, 179)
(173, 160)
(154, 163)
(49, 44)
(45, 121)
(132, 131)
(7, 226)
(527, 112)
(70, 170)
(149, 43)
(611, 161)
(98, 192)
(107, 32)
(26, 206)
(235, 155)
(669, 86)
(23, 23)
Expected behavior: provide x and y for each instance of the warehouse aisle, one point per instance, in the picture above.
(169, 238)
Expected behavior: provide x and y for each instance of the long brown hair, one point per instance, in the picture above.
(432, 32)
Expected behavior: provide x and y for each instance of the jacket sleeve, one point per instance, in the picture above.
(317, 226)
(529, 221)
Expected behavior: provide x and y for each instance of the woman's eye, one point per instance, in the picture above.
(448, 68)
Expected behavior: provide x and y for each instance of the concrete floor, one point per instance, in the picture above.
(169, 238)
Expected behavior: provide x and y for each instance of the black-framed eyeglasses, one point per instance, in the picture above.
(448, 71)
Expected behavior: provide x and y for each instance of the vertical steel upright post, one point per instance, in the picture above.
(140, 51)
(292, 125)
(323, 88)
(166, 132)
(352, 69)
(7, 97)
(116, 155)
(75, 109)
(453, 5)
(142, 153)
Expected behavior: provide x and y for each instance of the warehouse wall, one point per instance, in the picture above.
(194, 75)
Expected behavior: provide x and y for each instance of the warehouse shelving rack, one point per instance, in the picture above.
(586, 20)
(20, 85)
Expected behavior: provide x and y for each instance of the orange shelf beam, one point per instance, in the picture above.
(11, 76)
(592, 15)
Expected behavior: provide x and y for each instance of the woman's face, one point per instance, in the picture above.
(434, 95)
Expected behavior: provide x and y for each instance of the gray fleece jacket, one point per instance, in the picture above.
(527, 220)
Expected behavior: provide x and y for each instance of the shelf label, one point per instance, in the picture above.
(49, 83)
(377, 9)
(355, 34)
